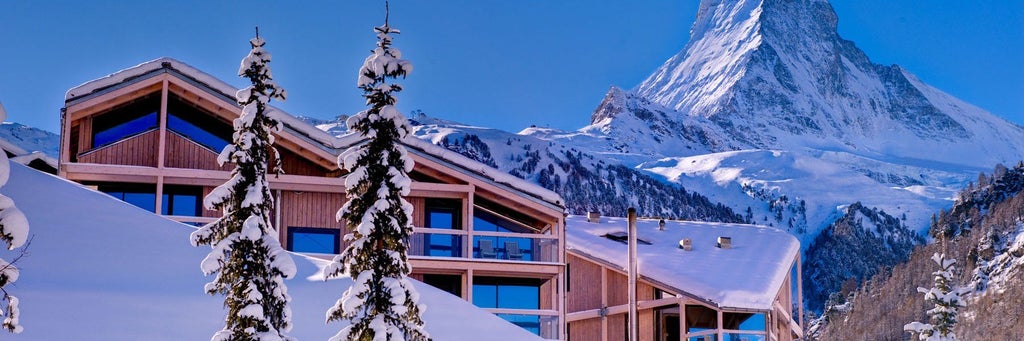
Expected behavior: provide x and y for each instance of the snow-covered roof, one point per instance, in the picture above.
(746, 276)
(299, 128)
(101, 269)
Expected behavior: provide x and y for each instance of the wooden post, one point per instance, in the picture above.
(162, 144)
(604, 303)
(632, 275)
(682, 318)
(799, 292)
(720, 325)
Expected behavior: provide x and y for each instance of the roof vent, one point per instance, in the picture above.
(623, 237)
(594, 217)
(724, 243)
(686, 244)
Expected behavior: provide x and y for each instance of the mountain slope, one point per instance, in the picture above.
(588, 182)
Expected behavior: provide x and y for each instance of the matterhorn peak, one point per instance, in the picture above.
(775, 74)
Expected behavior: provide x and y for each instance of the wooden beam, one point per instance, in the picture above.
(114, 98)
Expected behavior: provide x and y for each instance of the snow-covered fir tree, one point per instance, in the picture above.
(947, 298)
(381, 304)
(14, 233)
(247, 257)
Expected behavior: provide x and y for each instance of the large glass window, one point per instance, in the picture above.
(127, 120)
(313, 240)
(510, 293)
(199, 126)
(141, 195)
(449, 283)
(443, 214)
(182, 201)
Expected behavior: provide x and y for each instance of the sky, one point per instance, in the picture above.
(498, 64)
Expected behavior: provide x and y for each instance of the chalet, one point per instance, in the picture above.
(696, 281)
(150, 135)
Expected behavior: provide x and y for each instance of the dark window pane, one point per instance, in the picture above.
(313, 240)
(519, 297)
(146, 201)
(443, 213)
(185, 205)
(195, 133)
(126, 129)
(126, 120)
(440, 218)
(450, 283)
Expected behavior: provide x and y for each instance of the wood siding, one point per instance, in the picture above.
(585, 289)
(586, 330)
(184, 153)
(310, 209)
(139, 150)
(294, 164)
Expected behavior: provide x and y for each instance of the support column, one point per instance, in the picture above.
(682, 318)
(632, 323)
(161, 147)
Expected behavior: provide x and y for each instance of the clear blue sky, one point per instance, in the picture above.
(501, 64)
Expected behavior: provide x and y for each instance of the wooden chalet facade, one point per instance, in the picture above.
(150, 135)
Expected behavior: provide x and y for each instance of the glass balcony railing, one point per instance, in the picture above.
(438, 243)
(732, 336)
(508, 246)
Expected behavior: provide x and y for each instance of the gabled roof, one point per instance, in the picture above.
(298, 128)
(747, 276)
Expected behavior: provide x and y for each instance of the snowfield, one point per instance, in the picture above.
(101, 269)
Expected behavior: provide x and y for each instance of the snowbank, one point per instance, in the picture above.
(100, 269)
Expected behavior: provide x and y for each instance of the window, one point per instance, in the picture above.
(128, 120)
(140, 195)
(197, 125)
(510, 293)
(449, 283)
(443, 214)
(182, 201)
(510, 248)
(314, 240)
(744, 321)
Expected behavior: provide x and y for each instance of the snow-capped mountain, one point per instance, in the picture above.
(30, 139)
(773, 74)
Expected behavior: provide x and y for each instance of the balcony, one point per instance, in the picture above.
(503, 246)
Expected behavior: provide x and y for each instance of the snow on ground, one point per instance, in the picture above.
(100, 269)
(746, 276)
(825, 180)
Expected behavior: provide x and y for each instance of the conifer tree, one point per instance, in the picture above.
(946, 296)
(14, 233)
(247, 257)
(381, 304)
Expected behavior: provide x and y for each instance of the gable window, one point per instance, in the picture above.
(197, 125)
(126, 121)
(314, 240)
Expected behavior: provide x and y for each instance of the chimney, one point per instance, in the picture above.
(686, 244)
(724, 243)
(661, 225)
(594, 217)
